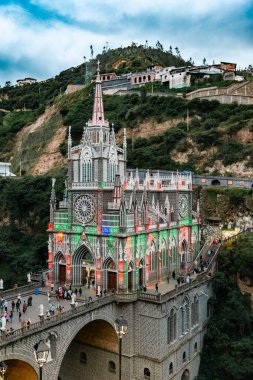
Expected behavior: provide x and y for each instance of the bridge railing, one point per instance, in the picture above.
(47, 322)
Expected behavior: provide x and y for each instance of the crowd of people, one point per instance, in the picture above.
(11, 309)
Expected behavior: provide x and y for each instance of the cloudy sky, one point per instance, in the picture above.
(40, 38)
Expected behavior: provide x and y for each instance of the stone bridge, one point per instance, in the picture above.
(163, 340)
(220, 181)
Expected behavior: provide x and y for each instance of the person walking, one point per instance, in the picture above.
(168, 279)
(6, 305)
(24, 307)
(13, 306)
(156, 287)
(174, 275)
(19, 316)
(11, 316)
(80, 292)
(18, 306)
(29, 301)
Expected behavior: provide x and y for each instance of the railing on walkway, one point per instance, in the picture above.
(52, 320)
(117, 297)
(90, 306)
(19, 289)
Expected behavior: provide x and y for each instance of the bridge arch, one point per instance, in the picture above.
(20, 366)
(83, 266)
(186, 375)
(215, 182)
(94, 339)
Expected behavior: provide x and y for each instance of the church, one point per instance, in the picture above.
(118, 229)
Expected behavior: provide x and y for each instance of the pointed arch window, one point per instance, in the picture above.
(172, 327)
(86, 166)
(163, 254)
(112, 165)
(182, 320)
(87, 171)
(146, 373)
(153, 257)
(112, 170)
(195, 311)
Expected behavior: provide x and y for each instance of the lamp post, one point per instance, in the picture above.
(121, 326)
(41, 352)
(3, 368)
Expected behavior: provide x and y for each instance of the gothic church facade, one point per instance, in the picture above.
(113, 228)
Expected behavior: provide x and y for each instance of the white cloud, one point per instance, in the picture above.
(50, 46)
(96, 9)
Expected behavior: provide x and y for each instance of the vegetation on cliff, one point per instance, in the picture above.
(228, 343)
(201, 141)
(24, 215)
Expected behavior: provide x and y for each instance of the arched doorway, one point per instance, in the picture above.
(130, 276)
(93, 353)
(186, 375)
(184, 251)
(215, 182)
(111, 274)
(153, 263)
(59, 268)
(18, 369)
(83, 267)
(141, 273)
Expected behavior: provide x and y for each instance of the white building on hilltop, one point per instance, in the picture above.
(5, 170)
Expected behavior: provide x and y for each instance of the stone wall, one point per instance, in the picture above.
(144, 346)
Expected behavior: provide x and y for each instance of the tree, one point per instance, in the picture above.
(177, 51)
(204, 61)
(159, 45)
(8, 83)
(91, 51)
(170, 51)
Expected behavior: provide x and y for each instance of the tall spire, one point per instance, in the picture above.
(98, 117)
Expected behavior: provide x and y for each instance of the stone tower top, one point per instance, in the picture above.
(98, 118)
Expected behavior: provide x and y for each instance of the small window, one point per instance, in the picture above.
(241, 183)
(230, 183)
(184, 357)
(203, 180)
(83, 358)
(171, 368)
(146, 373)
(195, 346)
(111, 366)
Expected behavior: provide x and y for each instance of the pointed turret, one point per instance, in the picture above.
(122, 210)
(98, 117)
(85, 137)
(52, 201)
(112, 136)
